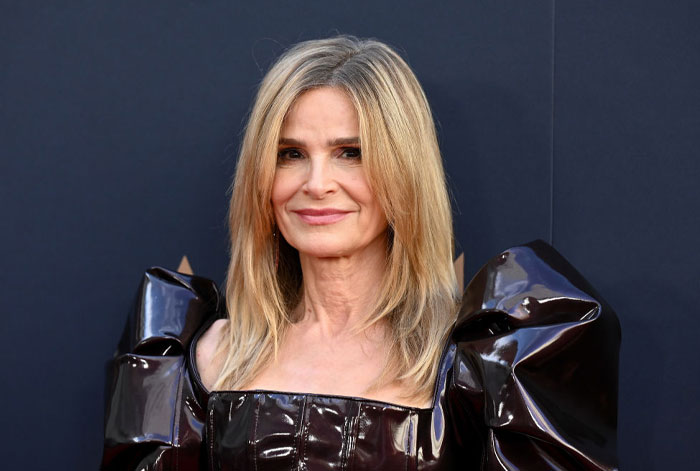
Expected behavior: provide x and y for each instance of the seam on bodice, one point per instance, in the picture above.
(255, 434)
(210, 427)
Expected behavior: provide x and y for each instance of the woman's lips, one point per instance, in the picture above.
(319, 217)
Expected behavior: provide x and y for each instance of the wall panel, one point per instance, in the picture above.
(627, 204)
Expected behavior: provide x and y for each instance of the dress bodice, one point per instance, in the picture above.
(277, 430)
(527, 381)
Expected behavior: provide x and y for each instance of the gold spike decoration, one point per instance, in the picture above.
(459, 271)
(184, 266)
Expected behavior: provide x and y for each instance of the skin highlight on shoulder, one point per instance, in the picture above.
(208, 364)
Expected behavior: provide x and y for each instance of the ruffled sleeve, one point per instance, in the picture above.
(536, 367)
(154, 414)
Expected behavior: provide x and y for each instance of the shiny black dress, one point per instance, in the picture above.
(528, 381)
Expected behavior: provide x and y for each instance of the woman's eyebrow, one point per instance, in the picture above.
(340, 141)
(344, 141)
(288, 141)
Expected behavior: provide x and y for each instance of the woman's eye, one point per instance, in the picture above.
(289, 154)
(351, 152)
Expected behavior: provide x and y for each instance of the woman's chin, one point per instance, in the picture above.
(324, 251)
(325, 247)
(336, 246)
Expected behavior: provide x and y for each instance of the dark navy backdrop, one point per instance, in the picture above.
(575, 122)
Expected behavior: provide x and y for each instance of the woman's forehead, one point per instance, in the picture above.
(325, 113)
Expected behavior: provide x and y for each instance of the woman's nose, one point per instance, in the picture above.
(319, 180)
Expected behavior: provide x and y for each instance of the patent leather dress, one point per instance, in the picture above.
(528, 381)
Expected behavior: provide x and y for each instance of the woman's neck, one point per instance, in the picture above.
(338, 292)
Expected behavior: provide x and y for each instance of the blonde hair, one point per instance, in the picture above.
(402, 161)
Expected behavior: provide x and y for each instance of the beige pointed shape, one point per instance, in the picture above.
(459, 271)
(184, 266)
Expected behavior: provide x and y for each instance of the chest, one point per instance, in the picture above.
(342, 369)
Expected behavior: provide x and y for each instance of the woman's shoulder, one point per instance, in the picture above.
(209, 363)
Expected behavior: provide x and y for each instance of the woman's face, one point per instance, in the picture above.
(322, 201)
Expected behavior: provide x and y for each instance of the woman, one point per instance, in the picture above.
(341, 342)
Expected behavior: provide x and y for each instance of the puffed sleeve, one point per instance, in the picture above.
(154, 414)
(536, 366)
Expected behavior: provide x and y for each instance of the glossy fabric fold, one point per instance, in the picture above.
(537, 361)
(528, 381)
(153, 417)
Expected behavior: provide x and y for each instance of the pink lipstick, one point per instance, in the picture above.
(318, 217)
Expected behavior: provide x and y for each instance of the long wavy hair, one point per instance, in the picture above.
(401, 158)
